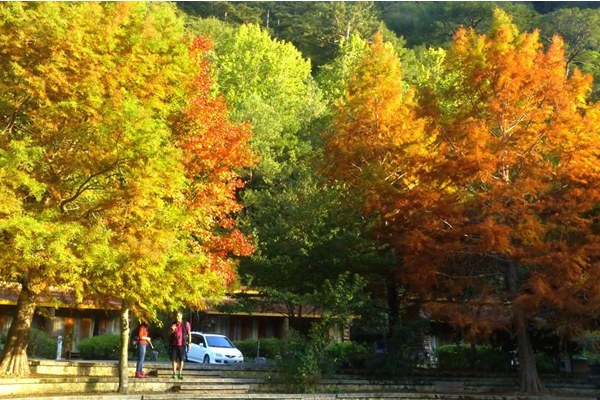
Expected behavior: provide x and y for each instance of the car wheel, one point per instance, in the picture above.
(206, 359)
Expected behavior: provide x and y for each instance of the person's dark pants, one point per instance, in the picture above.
(141, 357)
(177, 353)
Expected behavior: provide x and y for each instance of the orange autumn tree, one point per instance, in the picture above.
(493, 207)
(379, 146)
(520, 173)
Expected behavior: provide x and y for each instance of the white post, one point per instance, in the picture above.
(59, 344)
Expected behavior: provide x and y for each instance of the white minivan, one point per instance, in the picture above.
(210, 348)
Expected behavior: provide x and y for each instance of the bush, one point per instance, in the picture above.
(398, 357)
(103, 347)
(40, 345)
(344, 354)
(454, 356)
(484, 358)
(269, 348)
(590, 344)
(301, 363)
(161, 346)
(544, 362)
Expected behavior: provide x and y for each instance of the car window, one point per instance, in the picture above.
(219, 341)
(197, 339)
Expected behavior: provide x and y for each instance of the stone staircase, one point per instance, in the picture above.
(54, 380)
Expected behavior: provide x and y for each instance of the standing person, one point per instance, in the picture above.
(180, 340)
(143, 341)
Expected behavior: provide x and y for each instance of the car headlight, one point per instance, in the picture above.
(218, 354)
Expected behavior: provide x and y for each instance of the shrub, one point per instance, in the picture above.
(398, 357)
(269, 347)
(590, 344)
(161, 346)
(454, 356)
(593, 358)
(103, 347)
(544, 362)
(300, 364)
(343, 354)
(484, 358)
(40, 345)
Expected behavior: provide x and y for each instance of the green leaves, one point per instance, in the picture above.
(267, 82)
(307, 232)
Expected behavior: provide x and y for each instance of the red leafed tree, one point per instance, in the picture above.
(519, 146)
(498, 227)
(215, 149)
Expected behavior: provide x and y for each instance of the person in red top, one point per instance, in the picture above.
(143, 341)
(180, 340)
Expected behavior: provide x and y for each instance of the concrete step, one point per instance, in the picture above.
(211, 389)
(222, 381)
(287, 396)
(186, 371)
(208, 384)
(110, 368)
(94, 385)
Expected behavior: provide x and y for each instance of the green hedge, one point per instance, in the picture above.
(344, 354)
(41, 345)
(484, 358)
(589, 342)
(103, 347)
(269, 348)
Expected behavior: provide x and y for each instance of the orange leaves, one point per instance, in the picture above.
(376, 128)
(214, 148)
(525, 139)
(500, 168)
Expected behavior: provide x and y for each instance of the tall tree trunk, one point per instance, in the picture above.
(393, 293)
(14, 361)
(528, 374)
(123, 357)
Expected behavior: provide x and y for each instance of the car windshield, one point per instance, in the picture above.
(219, 341)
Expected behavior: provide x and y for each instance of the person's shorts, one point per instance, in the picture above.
(178, 353)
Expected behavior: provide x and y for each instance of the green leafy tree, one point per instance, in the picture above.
(268, 83)
(434, 24)
(306, 232)
(317, 28)
(232, 12)
(335, 75)
(580, 29)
